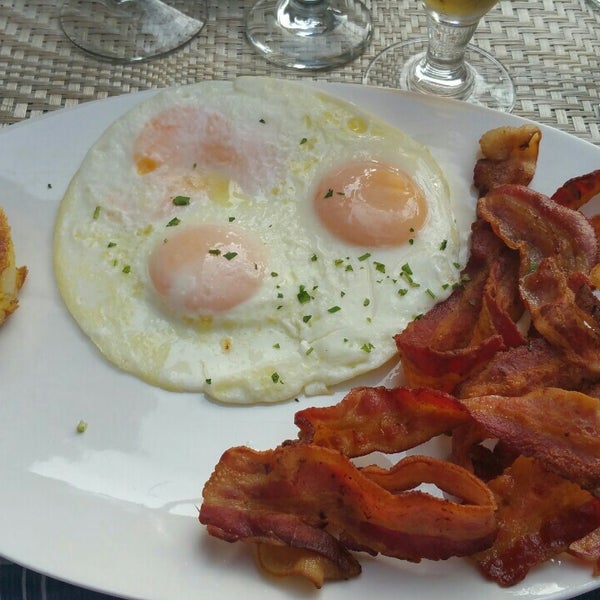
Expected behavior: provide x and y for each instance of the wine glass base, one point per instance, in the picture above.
(321, 38)
(131, 30)
(491, 86)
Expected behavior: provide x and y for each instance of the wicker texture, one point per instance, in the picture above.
(550, 47)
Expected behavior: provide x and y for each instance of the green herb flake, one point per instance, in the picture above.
(231, 219)
(111, 244)
(334, 309)
(181, 200)
(303, 296)
(81, 426)
(364, 256)
(444, 244)
(306, 318)
(379, 267)
(277, 346)
(96, 214)
(366, 302)
(230, 255)
(303, 141)
(261, 120)
(533, 267)
(174, 222)
(314, 258)
(214, 251)
(430, 293)
(274, 274)
(368, 347)
(208, 381)
(309, 351)
(126, 269)
(275, 377)
(402, 292)
(329, 193)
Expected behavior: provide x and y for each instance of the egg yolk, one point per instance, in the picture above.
(369, 203)
(206, 269)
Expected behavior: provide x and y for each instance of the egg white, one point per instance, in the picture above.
(327, 311)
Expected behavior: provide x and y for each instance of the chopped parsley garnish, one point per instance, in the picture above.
(81, 426)
(364, 256)
(379, 267)
(261, 120)
(366, 302)
(126, 269)
(275, 377)
(181, 200)
(430, 293)
(173, 222)
(368, 347)
(314, 258)
(208, 381)
(111, 244)
(303, 141)
(303, 296)
(230, 255)
(231, 219)
(334, 309)
(329, 193)
(214, 251)
(444, 244)
(96, 212)
(306, 318)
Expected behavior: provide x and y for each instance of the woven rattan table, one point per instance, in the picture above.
(550, 47)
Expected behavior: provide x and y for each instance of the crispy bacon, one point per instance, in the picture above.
(314, 498)
(540, 515)
(578, 191)
(560, 428)
(539, 228)
(522, 369)
(462, 333)
(380, 419)
(588, 549)
(509, 156)
(557, 247)
(285, 561)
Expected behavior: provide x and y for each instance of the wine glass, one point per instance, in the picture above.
(131, 30)
(309, 34)
(445, 63)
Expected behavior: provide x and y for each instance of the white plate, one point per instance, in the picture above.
(114, 509)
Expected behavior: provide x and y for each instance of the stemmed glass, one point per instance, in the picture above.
(309, 34)
(131, 30)
(445, 63)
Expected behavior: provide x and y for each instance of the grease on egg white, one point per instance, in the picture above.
(253, 240)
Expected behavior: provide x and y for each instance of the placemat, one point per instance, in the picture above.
(550, 47)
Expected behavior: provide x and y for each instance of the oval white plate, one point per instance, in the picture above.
(114, 509)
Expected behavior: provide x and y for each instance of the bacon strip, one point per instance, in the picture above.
(558, 248)
(522, 369)
(577, 191)
(588, 549)
(380, 419)
(540, 515)
(510, 156)
(538, 228)
(560, 428)
(462, 333)
(303, 495)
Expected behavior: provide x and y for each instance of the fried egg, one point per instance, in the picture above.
(253, 240)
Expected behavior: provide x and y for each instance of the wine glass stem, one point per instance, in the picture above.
(443, 69)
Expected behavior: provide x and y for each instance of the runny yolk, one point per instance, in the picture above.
(206, 269)
(369, 203)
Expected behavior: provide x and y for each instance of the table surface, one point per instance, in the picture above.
(550, 47)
